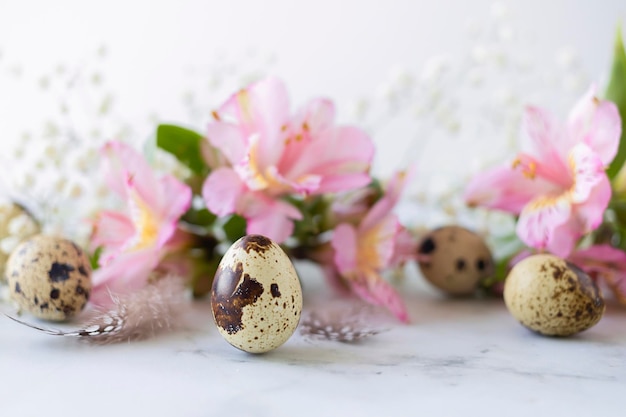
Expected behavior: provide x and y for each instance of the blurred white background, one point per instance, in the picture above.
(441, 83)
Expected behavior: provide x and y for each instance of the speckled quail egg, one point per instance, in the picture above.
(552, 297)
(16, 224)
(49, 277)
(454, 259)
(256, 295)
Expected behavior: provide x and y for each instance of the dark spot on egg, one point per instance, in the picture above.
(83, 271)
(54, 294)
(18, 289)
(60, 272)
(229, 296)
(427, 246)
(460, 264)
(481, 264)
(274, 290)
(257, 243)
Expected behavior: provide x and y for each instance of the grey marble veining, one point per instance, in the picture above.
(456, 357)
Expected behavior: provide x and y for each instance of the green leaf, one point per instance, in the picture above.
(235, 227)
(184, 144)
(202, 217)
(616, 92)
(94, 259)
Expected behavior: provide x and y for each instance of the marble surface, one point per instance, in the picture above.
(457, 357)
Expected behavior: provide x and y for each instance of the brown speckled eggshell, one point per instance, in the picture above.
(256, 296)
(49, 277)
(552, 297)
(458, 259)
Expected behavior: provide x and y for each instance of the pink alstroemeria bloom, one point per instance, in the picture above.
(272, 153)
(362, 252)
(133, 243)
(557, 184)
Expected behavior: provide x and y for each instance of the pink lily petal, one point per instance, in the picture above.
(275, 221)
(112, 229)
(228, 139)
(564, 238)
(505, 188)
(339, 155)
(344, 243)
(222, 190)
(590, 213)
(263, 109)
(384, 206)
(123, 164)
(378, 292)
(128, 271)
(540, 218)
(588, 171)
(542, 137)
(377, 242)
(596, 123)
(175, 201)
(317, 115)
(405, 248)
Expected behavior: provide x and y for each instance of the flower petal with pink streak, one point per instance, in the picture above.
(504, 188)
(344, 243)
(542, 137)
(393, 192)
(222, 190)
(317, 114)
(262, 108)
(175, 201)
(540, 218)
(596, 123)
(275, 220)
(228, 139)
(340, 156)
(122, 164)
(128, 271)
(590, 213)
(380, 292)
(112, 230)
(588, 171)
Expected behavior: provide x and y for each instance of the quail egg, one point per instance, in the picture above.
(16, 224)
(552, 297)
(49, 277)
(256, 296)
(454, 259)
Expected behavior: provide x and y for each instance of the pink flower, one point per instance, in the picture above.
(557, 184)
(604, 262)
(271, 153)
(133, 243)
(362, 252)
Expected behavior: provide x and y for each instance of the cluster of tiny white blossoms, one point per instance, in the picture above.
(471, 104)
(51, 164)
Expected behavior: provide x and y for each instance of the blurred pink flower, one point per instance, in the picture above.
(133, 243)
(271, 153)
(557, 184)
(606, 263)
(362, 252)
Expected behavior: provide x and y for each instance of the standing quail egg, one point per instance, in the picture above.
(256, 295)
(16, 224)
(454, 260)
(552, 297)
(49, 277)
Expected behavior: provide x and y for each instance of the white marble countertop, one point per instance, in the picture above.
(457, 357)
